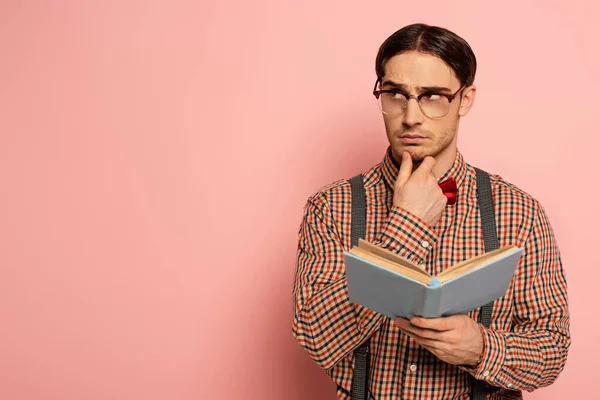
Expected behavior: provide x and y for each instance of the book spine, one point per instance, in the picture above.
(433, 302)
(419, 305)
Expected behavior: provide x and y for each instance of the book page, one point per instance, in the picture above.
(388, 255)
(473, 263)
(419, 276)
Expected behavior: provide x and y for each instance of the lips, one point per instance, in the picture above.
(412, 139)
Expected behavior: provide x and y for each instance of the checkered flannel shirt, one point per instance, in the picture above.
(527, 343)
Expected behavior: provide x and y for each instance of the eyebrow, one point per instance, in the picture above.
(419, 88)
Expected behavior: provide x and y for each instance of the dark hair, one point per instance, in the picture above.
(439, 42)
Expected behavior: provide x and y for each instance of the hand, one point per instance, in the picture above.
(419, 191)
(456, 339)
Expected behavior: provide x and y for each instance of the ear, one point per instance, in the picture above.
(467, 100)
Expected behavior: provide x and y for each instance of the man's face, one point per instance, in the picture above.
(411, 73)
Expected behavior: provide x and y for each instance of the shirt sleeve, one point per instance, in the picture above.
(407, 235)
(326, 323)
(534, 352)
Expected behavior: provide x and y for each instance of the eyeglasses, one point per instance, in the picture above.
(432, 104)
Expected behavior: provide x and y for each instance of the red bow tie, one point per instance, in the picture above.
(449, 188)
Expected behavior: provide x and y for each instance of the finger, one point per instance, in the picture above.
(430, 344)
(424, 333)
(426, 166)
(405, 168)
(403, 323)
(436, 324)
(411, 329)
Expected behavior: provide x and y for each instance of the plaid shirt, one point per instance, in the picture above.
(527, 344)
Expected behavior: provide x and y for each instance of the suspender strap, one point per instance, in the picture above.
(360, 377)
(490, 238)
(359, 210)
(486, 211)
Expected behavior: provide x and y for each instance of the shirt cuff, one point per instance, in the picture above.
(494, 354)
(407, 235)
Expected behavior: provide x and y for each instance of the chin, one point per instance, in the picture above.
(417, 153)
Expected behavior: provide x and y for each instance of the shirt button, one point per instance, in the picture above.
(486, 373)
(509, 385)
(413, 367)
(425, 243)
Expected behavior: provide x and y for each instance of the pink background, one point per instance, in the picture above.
(155, 157)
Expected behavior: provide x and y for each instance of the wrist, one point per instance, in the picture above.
(482, 352)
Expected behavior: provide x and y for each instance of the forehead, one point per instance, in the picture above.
(418, 69)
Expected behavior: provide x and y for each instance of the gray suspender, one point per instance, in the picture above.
(490, 239)
(360, 383)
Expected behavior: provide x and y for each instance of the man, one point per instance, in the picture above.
(424, 86)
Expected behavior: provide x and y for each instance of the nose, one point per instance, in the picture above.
(412, 113)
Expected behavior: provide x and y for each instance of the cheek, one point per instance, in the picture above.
(443, 127)
(392, 123)
(439, 127)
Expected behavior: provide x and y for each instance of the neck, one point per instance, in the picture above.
(444, 161)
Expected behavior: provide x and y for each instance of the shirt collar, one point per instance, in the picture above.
(390, 167)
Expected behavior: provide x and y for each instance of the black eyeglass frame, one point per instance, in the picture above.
(418, 97)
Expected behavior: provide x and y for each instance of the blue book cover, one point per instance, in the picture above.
(383, 282)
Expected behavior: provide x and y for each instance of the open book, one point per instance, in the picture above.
(386, 283)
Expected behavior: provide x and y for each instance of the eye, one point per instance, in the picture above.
(432, 96)
(398, 95)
